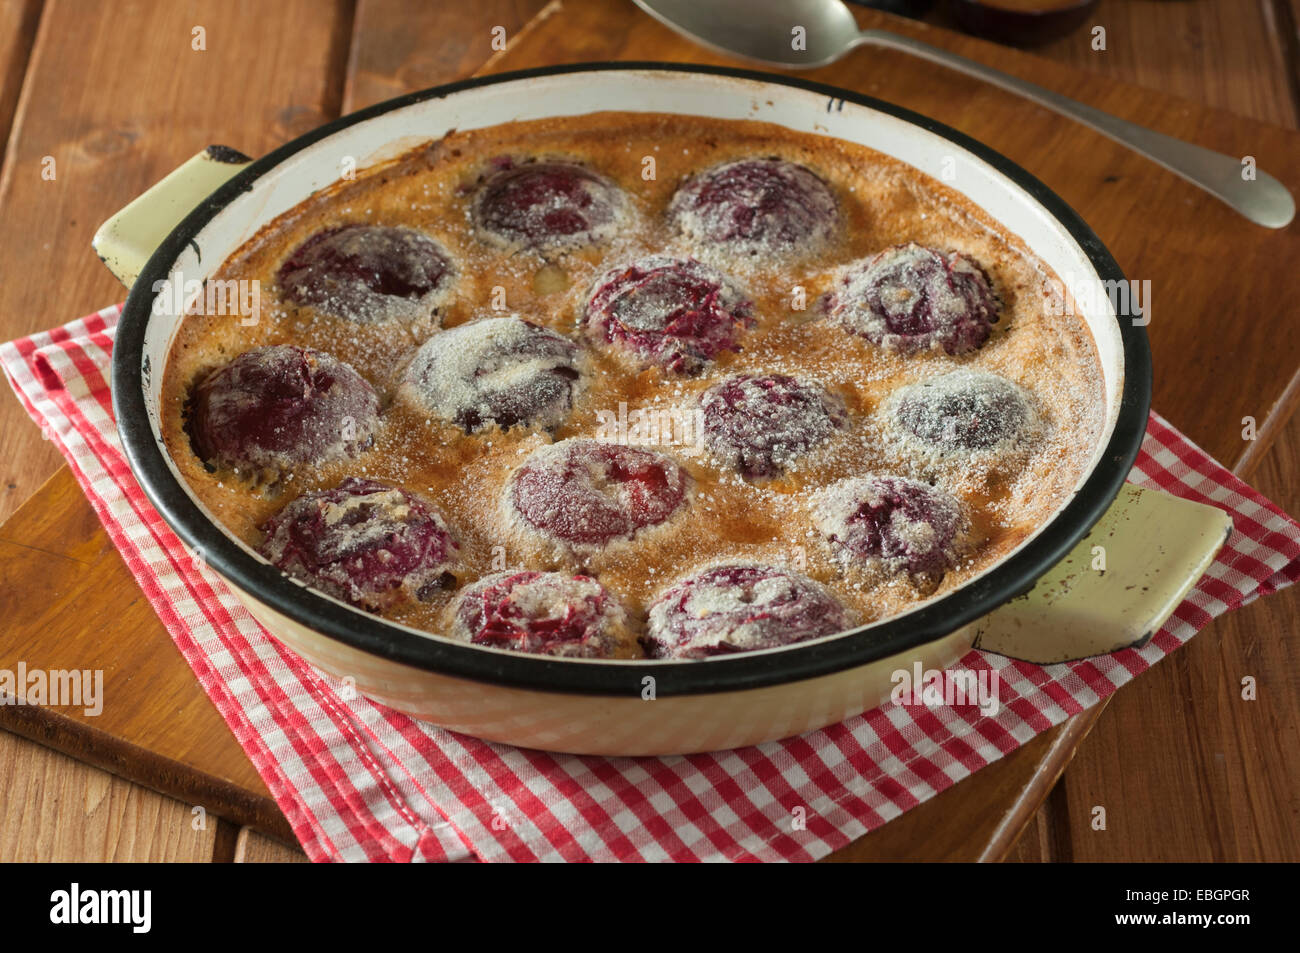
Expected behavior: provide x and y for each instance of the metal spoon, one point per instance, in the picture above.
(765, 30)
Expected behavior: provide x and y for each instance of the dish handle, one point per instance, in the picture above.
(125, 242)
(1117, 587)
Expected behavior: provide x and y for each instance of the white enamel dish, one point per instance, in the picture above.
(656, 707)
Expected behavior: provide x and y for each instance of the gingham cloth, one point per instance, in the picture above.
(359, 781)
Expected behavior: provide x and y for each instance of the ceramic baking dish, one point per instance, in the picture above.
(1046, 601)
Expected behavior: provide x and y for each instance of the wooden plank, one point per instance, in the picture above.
(1285, 22)
(1046, 837)
(1187, 769)
(117, 97)
(1229, 54)
(57, 809)
(156, 727)
(17, 31)
(958, 823)
(114, 124)
(399, 47)
(1270, 92)
(254, 848)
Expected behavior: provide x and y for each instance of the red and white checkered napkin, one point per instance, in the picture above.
(361, 782)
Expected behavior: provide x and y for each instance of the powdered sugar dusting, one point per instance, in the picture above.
(740, 608)
(760, 425)
(367, 543)
(724, 518)
(912, 298)
(755, 209)
(675, 313)
(495, 371)
(275, 408)
(892, 525)
(547, 613)
(582, 495)
(368, 274)
(547, 204)
(965, 413)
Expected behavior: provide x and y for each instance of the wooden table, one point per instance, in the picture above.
(114, 122)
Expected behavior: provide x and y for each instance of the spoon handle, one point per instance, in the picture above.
(1262, 199)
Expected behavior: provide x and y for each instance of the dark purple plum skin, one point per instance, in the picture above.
(545, 203)
(389, 545)
(758, 203)
(871, 533)
(273, 408)
(491, 616)
(558, 496)
(917, 298)
(674, 313)
(965, 420)
(546, 395)
(357, 272)
(759, 434)
(808, 612)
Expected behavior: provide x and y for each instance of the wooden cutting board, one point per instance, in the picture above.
(1223, 292)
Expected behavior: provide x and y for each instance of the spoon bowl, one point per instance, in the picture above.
(793, 34)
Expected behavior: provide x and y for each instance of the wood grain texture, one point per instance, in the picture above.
(115, 120)
(399, 47)
(1285, 15)
(71, 604)
(1229, 54)
(1045, 838)
(945, 827)
(1188, 770)
(114, 124)
(254, 848)
(32, 778)
(58, 810)
(1249, 64)
(17, 32)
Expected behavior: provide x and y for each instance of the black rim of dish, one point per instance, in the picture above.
(371, 634)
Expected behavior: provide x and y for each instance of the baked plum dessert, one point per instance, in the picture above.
(758, 425)
(364, 542)
(274, 408)
(893, 525)
(674, 313)
(367, 273)
(589, 339)
(544, 613)
(547, 205)
(963, 412)
(585, 494)
(740, 608)
(911, 298)
(756, 207)
(502, 372)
